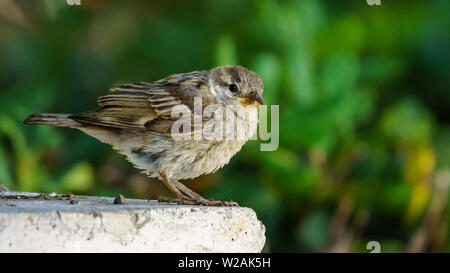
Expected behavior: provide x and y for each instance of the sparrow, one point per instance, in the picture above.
(138, 121)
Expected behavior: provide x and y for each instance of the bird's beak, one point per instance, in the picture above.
(254, 98)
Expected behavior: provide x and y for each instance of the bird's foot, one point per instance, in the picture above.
(202, 201)
(218, 203)
(179, 201)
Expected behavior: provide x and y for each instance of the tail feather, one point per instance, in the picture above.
(61, 120)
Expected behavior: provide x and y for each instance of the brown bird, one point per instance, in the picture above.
(141, 120)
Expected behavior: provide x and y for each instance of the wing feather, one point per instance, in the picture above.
(148, 106)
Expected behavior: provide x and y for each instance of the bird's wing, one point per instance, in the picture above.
(148, 106)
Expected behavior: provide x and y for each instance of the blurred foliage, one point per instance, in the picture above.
(364, 108)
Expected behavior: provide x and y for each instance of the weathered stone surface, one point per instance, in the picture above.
(31, 222)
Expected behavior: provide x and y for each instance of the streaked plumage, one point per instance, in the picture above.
(136, 120)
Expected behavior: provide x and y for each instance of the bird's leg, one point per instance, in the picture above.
(180, 191)
(197, 198)
(173, 189)
(181, 198)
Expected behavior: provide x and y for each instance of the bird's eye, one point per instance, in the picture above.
(233, 87)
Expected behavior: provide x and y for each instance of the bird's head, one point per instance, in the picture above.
(236, 85)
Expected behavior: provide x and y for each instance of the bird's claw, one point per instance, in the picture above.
(217, 203)
(204, 202)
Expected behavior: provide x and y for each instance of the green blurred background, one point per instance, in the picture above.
(364, 109)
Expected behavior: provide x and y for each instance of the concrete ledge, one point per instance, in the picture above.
(32, 222)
